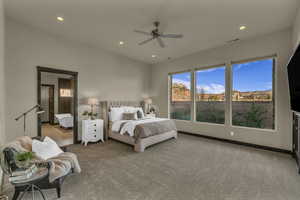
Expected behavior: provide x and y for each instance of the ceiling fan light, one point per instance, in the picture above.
(60, 19)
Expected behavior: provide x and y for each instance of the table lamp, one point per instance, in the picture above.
(93, 102)
(148, 102)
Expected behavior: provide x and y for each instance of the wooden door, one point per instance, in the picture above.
(51, 104)
(65, 101)
(47, 103)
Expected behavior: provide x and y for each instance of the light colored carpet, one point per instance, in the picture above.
(190, 168)
(63, 137)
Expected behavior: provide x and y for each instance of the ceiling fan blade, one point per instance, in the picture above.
(144, 42)
(171, 35)
(160, 42)
(142, 32)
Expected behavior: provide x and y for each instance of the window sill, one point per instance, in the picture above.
(230, 126)
(255, 129)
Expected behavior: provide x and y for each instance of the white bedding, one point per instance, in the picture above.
(130, 125)
(65, 120)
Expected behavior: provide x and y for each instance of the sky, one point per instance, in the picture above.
(251, 76)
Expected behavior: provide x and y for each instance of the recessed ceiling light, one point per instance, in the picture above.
(121, 43)
(242, 28)
(154, 56)
(61, 19)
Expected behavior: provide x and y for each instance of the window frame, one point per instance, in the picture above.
(228, 92)
(274, 88)
(170, 83)
(195, 92)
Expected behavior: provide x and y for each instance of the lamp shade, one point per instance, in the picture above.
(93, 101)
(148, 101)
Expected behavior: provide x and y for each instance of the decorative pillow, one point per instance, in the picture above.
(129, 116)
(46, 149)
(140, 113)
(130, 109)
(116, 113)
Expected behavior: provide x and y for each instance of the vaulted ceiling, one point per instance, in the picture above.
(204, 23)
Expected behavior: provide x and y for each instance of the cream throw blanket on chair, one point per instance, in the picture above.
(61, 165)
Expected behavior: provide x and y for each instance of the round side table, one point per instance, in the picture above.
(30, 183)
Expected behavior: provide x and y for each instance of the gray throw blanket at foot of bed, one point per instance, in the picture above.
(153, 128)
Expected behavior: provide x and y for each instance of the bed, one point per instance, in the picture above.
(65, 120)
(139, 132)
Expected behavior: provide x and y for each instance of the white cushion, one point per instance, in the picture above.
(129, 109)
(61, 116)
(116, 113)
(46, 149)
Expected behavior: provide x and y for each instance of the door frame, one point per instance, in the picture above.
(53, 98)
(75, 97)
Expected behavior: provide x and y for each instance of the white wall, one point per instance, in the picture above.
(278, 43)
(101, 74)
(296, 30)
(2, 87)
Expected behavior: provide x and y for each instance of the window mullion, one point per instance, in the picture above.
(193, 96)
(169, 94)
(228, 94)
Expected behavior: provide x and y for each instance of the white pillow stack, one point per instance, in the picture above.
(46, 149)
(116, 113)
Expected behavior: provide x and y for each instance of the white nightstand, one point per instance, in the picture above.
(92, 131)
(151, 115)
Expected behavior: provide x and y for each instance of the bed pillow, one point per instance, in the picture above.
(140, 113)
(116, 113)
(131, 109)
(46, 149)
(129, 116)
(135, 109)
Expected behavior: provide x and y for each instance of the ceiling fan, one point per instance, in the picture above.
(156, 34)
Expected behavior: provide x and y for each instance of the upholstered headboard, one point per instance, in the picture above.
(105, 108)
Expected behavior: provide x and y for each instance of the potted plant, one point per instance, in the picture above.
(90, 115)
(23, 159)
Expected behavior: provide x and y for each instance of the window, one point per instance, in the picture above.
(181, 97)
(202, 95)
(66, 93)
(252, 94)
(210, 95)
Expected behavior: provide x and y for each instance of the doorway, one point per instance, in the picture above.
(57, 95)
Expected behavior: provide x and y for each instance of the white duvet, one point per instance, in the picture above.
(130, 125)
